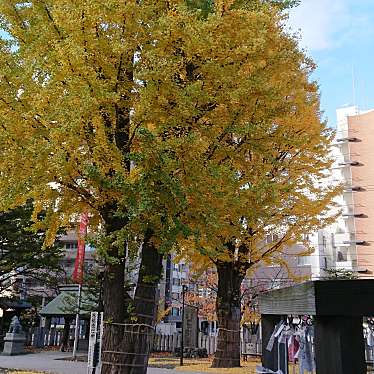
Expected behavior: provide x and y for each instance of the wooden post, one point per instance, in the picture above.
(339, 345)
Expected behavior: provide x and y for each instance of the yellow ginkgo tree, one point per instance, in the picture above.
(68, 88)
(168, 122)
(230, 106)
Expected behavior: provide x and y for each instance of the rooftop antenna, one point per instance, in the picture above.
(365, 96)
(354, 87)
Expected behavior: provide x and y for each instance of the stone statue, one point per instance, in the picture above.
(14, 341)
(15, 326)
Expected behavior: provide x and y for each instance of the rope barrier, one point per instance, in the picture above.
(126, 353)
(129, 324)
(122, 365)
(133, 333)
(262, 370)
(224, 329)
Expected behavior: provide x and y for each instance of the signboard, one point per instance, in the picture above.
(94, 343)
(190, 326)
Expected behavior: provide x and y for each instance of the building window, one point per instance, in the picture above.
(341, 257)
(303, 260)
(175, 295)
(176, 282)
(271, 238)
(73, 245)
(332, 240)
(324, 243)
(175, 312)
(68, 263)
(182, 267)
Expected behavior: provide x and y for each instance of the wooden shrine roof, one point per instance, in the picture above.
(324, 298)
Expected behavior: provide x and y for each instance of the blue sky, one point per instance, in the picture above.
(339, 35)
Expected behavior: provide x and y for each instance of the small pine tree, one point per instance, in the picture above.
(21, 249)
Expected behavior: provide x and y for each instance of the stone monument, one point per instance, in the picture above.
(14, 340)
(190, 326)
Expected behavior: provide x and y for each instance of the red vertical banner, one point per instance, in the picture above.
(79, 260)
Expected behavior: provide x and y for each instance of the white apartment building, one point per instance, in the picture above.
(346, 243)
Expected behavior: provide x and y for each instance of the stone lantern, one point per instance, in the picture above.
(14, 340)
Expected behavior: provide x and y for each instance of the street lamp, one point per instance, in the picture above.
(2, 321)
(184, 289)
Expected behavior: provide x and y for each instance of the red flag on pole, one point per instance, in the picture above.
(79, 260)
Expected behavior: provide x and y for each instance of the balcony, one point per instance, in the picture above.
(353, 215)
(343, 239)
(356, 242)
(344, 265)
(348, 163)
(353, 189)
(347, 139)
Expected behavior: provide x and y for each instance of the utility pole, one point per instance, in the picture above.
(78, 274)
(184, 289)
(100, 305)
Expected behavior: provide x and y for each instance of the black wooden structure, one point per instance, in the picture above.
(337, 307)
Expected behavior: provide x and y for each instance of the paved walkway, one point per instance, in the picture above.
(49, 362)
(45, 361)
